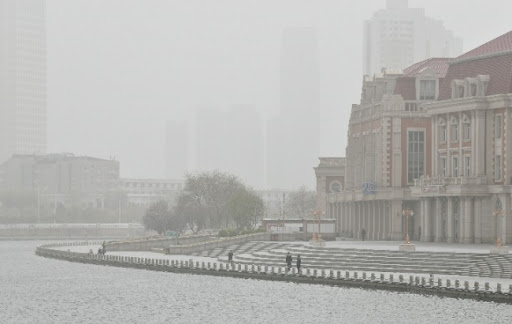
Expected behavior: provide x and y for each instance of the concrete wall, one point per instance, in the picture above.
(146, 244)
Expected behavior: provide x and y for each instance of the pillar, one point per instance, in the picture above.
(477, 227)
(426, 229)
(468, 221)
(449, 221)
(438, 220)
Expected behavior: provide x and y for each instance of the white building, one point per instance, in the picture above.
(22, 78)
(144, 192)
(398, 36)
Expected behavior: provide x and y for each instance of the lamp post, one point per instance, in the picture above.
(318, 214)
(407, 212)
(498, 213)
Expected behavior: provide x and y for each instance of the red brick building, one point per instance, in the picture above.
(434, 139)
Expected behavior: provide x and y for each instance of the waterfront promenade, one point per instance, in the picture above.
(353, 256)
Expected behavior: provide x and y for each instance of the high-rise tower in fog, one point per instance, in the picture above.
(22, 77)
(293, 135)
(398, 36)
(231, 141)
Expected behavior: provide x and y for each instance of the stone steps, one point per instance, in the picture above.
(273, 254)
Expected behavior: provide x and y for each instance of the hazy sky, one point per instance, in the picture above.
(118, 69)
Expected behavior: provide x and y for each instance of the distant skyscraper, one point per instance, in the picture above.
(22, 77)
(293, 136)
(176, 149)
(398, 36)
(231, 141)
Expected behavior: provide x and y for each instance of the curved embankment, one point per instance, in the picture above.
(417, 285)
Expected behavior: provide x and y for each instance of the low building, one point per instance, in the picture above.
(301, 228)
(144, 192)
(64, 178)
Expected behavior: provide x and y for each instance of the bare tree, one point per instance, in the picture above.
(219, 200)
(245, 208)
(301, 203)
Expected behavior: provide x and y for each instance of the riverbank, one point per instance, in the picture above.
(415, 285)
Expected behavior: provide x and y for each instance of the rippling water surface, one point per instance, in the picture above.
(40, 290)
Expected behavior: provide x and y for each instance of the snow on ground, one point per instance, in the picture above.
(374, 245)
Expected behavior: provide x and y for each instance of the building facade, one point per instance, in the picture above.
(467, 196)
(64, 179)
(388, 139)
(144, 192)
(436, 141)
(330, 180)
(398, 36)
(22, 77)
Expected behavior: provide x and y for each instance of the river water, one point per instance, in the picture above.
(39, 290)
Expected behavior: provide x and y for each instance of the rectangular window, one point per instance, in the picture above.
(498, 175)
(455, 167)
(498, 126)
(415, 155)
(467, 166)
(427, 89)
(467, 131)
(455, 132)
(442, 133)
(442, 166)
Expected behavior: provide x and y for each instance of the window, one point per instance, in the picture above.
(461, 91)
(473, 89)
(442, 133)
(455, 166)
(498, 126)
(442, 166)
(467, 166)
(427, 89)
(467, 131)
(415, 155)
(498, 168)
(455, 132)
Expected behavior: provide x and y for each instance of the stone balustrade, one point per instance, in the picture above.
(416, 285)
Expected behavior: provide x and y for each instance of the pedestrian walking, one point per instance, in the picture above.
(230, 256)
(289, 260)
(363, 234)
(299, 261)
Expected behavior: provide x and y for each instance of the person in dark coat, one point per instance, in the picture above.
(299, 261)
(289, 260)
(230, 256)
(363, 234)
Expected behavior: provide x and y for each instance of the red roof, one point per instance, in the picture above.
(500, 44)
(437, 64)
(406, 84)
(499, 69)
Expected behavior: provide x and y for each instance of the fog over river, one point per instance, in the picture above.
(40, 290)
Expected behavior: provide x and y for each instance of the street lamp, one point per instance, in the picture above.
(498, 213)
(407, 212)
(318, 214)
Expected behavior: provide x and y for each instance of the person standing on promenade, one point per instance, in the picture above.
(299, 261)
(363, 234)
(230, 256)
(289, 260)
